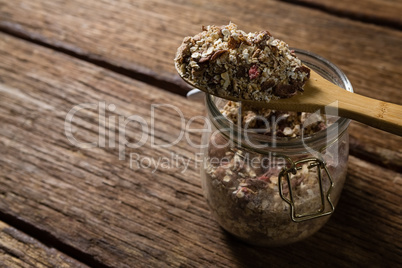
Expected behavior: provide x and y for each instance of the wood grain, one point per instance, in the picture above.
(20, 250)
(378, 148)
(375, 11)
(116, 33)
(139, 39)
(127, 216)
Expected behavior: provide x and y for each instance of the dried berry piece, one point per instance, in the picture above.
(285, 91)
(254, 72)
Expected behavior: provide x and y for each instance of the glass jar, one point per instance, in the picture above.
(269, 190)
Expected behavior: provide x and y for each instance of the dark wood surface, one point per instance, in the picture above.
(115, 37)
(89, 207)
(386, 13)
(20, 250)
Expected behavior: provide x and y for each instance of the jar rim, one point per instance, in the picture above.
(339, 126)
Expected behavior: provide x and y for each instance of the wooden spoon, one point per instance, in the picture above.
(320, 94)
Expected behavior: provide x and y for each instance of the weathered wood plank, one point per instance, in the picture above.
(374, 11)
(20, 250)
(127, 216)
(117, 34)
(142, 36)
(376, 146)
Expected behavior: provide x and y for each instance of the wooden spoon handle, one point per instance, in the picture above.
(379, 114)
(320, 94)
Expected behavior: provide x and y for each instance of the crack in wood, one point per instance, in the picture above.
(139, 226)
(50, 240)
(171, 83)
(146, 76)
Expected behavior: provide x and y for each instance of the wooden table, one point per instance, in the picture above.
(73, 72)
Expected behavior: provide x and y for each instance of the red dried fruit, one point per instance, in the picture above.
(253, 73)
(264, 178)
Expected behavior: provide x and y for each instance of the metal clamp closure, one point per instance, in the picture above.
(293, 168)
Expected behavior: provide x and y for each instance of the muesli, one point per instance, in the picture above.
(272, 122)
(242, 186)
(232, 64)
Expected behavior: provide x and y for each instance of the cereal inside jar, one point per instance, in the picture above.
(274, 177)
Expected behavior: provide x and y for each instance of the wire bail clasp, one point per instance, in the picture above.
(294, 167)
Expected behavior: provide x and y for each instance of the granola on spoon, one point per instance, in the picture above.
(232, 64)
